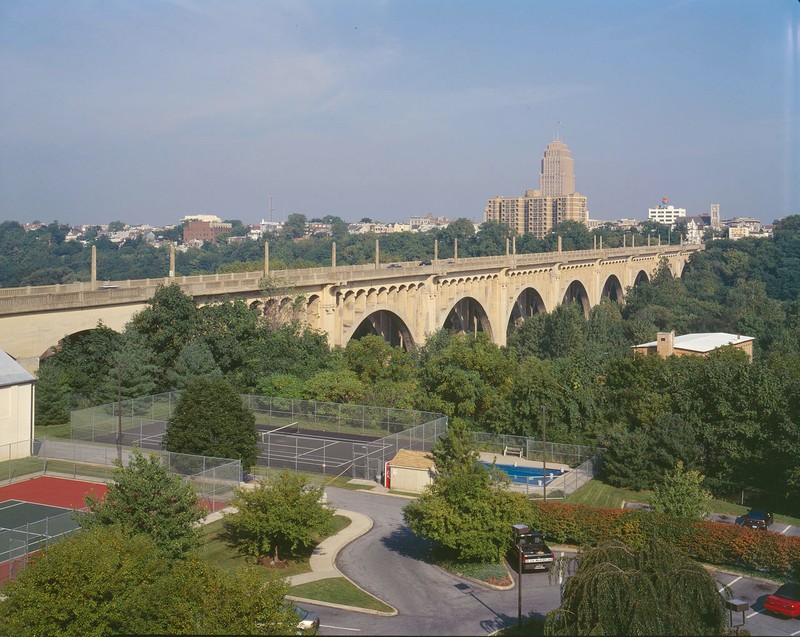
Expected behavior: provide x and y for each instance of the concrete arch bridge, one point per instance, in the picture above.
(403, 302)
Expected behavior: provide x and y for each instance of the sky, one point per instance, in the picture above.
(146, 111)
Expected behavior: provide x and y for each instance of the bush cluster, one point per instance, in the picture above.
(709, 542)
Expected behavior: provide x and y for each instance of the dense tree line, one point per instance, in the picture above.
(43, 257)
(736, 422)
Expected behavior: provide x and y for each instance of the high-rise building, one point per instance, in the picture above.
(555, 201)
(557, 178)
(715, 220)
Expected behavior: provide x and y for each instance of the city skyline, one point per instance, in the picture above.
(149, 112)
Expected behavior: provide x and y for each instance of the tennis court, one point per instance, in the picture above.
(26, 527)
(289, 447)
(35, 513)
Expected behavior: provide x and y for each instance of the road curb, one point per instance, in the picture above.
(355, 609)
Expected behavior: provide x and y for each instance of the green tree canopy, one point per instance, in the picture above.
(681, 494)
(145, 498)
(105, 581)
(284, 512)
(210, 420)
(657, 590)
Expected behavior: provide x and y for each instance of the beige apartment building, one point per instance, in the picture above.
(17, 394)
(555, 201)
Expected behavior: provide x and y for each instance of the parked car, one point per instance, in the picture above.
(536, 555)
(308, 623)
(394, 265)
(785, 601)
(755, 519)
(426, 262)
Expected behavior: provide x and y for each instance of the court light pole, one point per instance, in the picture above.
(519, 531)
(544, 452)
(119, 412)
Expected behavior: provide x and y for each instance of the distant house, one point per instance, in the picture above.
(410, 471)
(16, 409)
(667, 344)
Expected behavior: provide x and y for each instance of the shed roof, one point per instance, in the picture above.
(12, 373)
(413, 459)
(704, 342)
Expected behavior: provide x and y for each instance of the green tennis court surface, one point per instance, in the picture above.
(26, 527)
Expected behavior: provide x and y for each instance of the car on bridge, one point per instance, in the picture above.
(394, 265)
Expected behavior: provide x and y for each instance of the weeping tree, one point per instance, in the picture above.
(656, 590)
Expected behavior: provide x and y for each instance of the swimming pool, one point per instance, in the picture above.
(526, 475)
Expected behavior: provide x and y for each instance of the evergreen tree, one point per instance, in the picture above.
(210, 420)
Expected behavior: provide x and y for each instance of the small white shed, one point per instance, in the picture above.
(17, 388)
(411, 471)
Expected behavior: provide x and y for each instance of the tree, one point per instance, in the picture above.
(681, 494)
(145, 498)
(456, 450)
(284, 512)
(104, 581)
(342, 386)
(210, 420)
(295, 226)
(468, 511)
(657, 590)
(52, 395)
(168, 324)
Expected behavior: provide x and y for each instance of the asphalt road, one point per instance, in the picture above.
(387, 562)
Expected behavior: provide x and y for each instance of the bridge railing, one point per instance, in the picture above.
(83, 294)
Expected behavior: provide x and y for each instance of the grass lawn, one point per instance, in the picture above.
(52, 431)
(217, 551)
(597, 493)
(339, 590)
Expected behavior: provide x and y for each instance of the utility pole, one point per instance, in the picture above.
(544, 452)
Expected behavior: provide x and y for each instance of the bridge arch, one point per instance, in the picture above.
(527, 303)
(612, 290)
(467, 316)
(641, 277)
(386, 323)
(576, 293)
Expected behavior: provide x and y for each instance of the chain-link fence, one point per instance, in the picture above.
(584, 462)
(213, 478)
(143, 421)
(340, 418)
(17, 544)
(533, 449)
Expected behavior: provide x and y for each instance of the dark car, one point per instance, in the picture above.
(426, 262)
(394, 265)
(785, 601)
(536, 555)
(755, 519)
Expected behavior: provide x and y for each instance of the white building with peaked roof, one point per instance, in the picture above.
(17, 388)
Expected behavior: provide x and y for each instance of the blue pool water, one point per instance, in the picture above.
(525, 475)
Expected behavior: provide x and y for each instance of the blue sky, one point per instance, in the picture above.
(147, 111)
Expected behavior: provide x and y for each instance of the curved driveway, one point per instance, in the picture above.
(387, 563)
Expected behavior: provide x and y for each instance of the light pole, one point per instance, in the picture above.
(119, 412)
(544, 452)
(519, 531)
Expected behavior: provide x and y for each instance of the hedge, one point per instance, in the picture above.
(709, 542)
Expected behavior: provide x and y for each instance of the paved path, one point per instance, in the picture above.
(323, 559)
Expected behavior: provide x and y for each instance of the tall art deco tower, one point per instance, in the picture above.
(554, 202)
(558, 171)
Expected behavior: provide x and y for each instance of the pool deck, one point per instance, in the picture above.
(499, 458)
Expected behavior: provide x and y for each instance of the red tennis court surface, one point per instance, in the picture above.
(60, 492)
